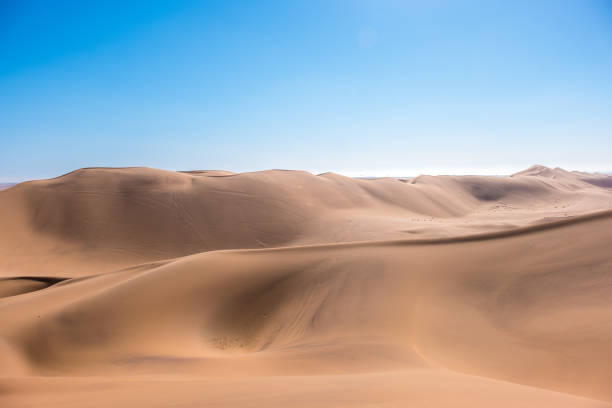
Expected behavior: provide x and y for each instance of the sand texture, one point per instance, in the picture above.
(138, 287)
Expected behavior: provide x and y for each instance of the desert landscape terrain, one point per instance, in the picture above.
(140, 287)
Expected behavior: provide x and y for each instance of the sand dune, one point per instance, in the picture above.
(102, 219)
(142, 287)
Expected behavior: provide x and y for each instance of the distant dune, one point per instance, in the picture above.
(144, 287)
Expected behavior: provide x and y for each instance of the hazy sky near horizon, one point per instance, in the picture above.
(363, 87)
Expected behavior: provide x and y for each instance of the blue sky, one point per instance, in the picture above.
(357, 87)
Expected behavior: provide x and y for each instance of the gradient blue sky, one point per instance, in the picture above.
(368, 87)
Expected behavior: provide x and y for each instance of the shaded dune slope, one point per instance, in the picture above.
(22, 284)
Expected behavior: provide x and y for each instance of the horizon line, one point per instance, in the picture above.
(373, 174)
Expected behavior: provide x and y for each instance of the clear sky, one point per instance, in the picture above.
(363, 87)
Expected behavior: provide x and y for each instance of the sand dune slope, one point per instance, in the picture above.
(102, 219)
(416, 323)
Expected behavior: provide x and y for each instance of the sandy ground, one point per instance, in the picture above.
(143, 287)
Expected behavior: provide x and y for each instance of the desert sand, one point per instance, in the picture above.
(139, 287)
